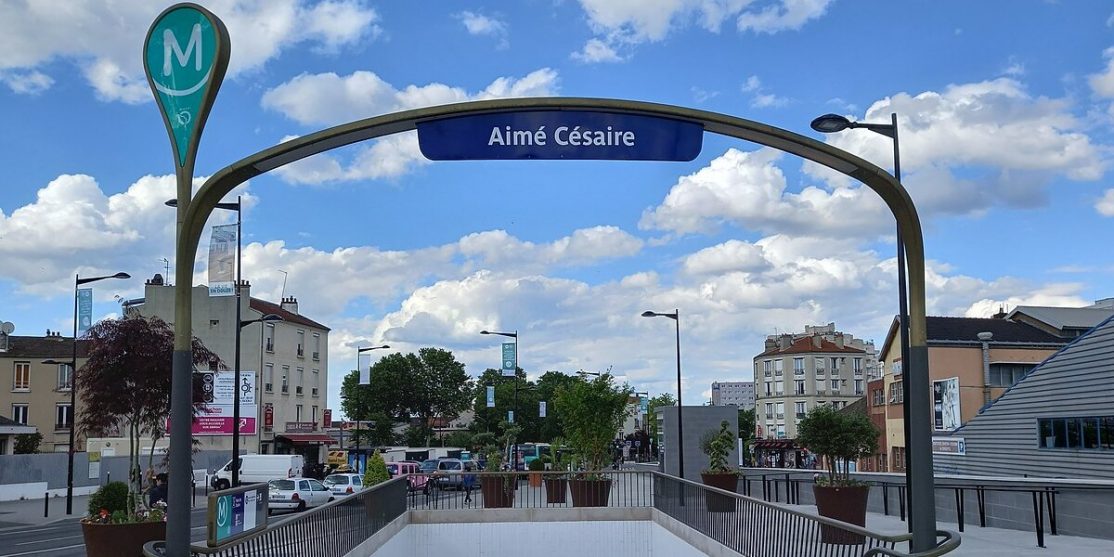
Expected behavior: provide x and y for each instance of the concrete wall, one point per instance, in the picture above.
(698, 421)
(1083, 507)
(50, 469)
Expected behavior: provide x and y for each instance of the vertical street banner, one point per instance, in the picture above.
(510, 416)
(84, 310)
(365, 372)
(491, 396)
(644, 405)
(510, 359)
(945, 404)
(541, 408)
(222, 260)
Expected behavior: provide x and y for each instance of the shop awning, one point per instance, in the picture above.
(774, 444)
(308, 438)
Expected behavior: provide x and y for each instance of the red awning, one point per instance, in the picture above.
(313, 438)
(774, 444)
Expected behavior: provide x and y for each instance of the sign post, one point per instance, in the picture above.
(185, 57)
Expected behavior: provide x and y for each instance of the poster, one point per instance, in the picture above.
(945, 404)
(216, 416)
(222, 260)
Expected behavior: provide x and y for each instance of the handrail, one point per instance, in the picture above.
(950, 542)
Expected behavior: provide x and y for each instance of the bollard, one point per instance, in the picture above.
(46, 504)
(193, 502)
(108, 479)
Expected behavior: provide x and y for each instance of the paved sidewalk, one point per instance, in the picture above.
(14, 514)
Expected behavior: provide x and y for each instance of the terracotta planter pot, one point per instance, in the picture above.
(120, 540)
(555, 489)
(535, 479)
(590, 493)
(497, 494)
(716, 502)
(845, 504)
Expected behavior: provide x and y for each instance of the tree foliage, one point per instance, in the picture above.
(28, 443)
(592, 413)
(839, 438)
(747, 422)
(718, 445)
(376, 472)
(530, 393)
(125, 382)
(660, 401)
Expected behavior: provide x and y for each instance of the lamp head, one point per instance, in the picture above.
(831, 123)
(171, 203)
(121, 276)
(485, 332)
(649, 314)
(272, 317)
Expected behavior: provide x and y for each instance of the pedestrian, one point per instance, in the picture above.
(469, 482)
(157, 493)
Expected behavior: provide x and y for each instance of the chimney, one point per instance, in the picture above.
(784, 342)
(770, 344)
(1001, 313)
(816, 341)
(839, 340)
(290, 304)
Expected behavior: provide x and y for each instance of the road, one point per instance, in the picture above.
(64, 539)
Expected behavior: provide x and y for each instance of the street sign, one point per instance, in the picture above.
(560, 134)
(510, 359)
(237, 512)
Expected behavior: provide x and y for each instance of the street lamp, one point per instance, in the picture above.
(832, 123)
(78, 281)
(676, 317)
(358, 352)
(236, 390)
(514, 335)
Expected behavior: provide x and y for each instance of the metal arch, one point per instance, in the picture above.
(884, 184)
(918, 445)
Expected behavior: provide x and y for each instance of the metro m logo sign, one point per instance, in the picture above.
(170, 45)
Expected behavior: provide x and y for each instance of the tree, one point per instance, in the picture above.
(593, 412)
(840, 438)
(28, 443)
(746, 431)
(660, 401)
(125, 383)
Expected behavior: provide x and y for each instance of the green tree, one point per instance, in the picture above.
(593, 413)
(28, 443)
(746, 431)
(839, 438)
(376, 472)
(660, 401)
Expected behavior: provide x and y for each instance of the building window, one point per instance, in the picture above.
(895, 367)
(780, 410)
(800, 407)
(269, 337)
(820, 384)
(63, 416)
(769, 410)
(19, 413)
(835, 384)
(65, 377)
(285, 379)
(314, 414)
(297, 412)
(798, 366)
(858, 386)
(779, 387)
(799, 387)
(268, 409)
(767, 367)
(778, 367)
(819, 363)
(897, 396)
(316, 346)
(1005, 375)
(899, 459)
(781, 431)
(301, 344)
(835, 367)
(269, 378)
(1089, 433)
(21, 377)
(879, 397)
(769, 387)
(857, 366)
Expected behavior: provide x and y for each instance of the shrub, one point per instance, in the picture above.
(376, 472)
(112, 497)
(28, 443)
(717, 445)
(840, 438)
(536, 465)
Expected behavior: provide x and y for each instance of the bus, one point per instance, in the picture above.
(527, 453)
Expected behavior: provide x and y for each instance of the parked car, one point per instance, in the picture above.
(416, 480)
(297, 494)
(258, 468)
(449, 473)
(343, 485)
(428, 466)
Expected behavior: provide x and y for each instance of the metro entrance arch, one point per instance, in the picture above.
(193, 215)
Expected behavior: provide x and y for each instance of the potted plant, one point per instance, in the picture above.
(592, 412)
(536, 467)
(719, 473)
(497, 488)
(557, 483)
(126, 385)
(839, 438)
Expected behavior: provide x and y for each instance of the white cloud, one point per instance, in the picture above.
(747, 189)
(782, 15)
(479, 24)
(100, 37)
(700, 95)
(761, 97)
(1102, 83)
(26, 83)
(596, 51)
(1105, 204)
(329, 99)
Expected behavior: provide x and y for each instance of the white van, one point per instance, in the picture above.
(256, 468)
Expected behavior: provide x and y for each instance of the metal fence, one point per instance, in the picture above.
(455, 490)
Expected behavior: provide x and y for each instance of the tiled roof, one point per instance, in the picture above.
(266, 307)
(967, 329)
(804, 345)
(6, 422)
(45, 347)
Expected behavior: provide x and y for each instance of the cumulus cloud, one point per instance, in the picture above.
(748, 190)
(760, 96)
(1105, 204)
(99, 37)
(596, 51)
(329, 99)
(782, 15)
(1102, 83)
(976, 145)
(483, 25)
(26, 82)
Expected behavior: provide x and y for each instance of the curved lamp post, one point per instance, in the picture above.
(78, 281)
(358, 352)
(676, 317)
(514, 335)
(833, 123)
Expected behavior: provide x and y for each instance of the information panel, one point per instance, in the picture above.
(235, 513)
(560, 134)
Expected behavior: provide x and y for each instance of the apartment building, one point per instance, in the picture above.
(39, 396)
(289, 358)
(796, 373)
(733, 393)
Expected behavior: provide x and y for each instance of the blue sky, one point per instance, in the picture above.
(1005, 108)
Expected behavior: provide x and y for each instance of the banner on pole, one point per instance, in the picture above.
(510, 359)
(541, 409)
(365, 374)
(491, 396)
(222, 260)
(510, 416)
(84, 310)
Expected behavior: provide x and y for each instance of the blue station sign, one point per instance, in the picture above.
(560, 134)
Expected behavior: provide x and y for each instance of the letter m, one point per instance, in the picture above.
(170, 44)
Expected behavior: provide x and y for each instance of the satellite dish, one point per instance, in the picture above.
(7, 327)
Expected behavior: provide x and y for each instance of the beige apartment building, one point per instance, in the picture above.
(290, 358)
(39, 394)
(798, 372)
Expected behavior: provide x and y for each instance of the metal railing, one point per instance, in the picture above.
(331, 530)
(457, 490)
(757, 528)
